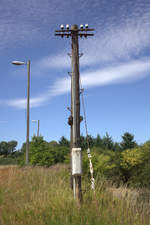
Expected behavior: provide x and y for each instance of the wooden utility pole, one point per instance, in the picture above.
(76, 105)
(75, 117)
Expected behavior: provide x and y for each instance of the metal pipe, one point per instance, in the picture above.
(28, 113)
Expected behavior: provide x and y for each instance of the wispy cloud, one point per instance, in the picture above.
(111, 75)
(122, 41)
(3, 121)
(34, 102)
(126, 72)
(119, 40)
(23, 24)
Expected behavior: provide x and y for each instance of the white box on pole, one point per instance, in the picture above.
(76, 161)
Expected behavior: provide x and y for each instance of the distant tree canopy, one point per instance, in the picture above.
(64, 142)
(43, 153)
(98, 141)
(7, 148)
(105, 142)
(120, 162)
(128, 141)
(85, 140)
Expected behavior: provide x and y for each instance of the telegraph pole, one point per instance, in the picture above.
(75, 117)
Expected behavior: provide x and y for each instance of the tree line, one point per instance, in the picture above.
(121, 162)
(105, 142)
(8, 148)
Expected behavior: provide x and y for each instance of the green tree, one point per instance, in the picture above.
(64, 142)
(107, 142)
(116, 146)
(12, 146)
(128, 141)
(43, 153)
(53, 143)
(98, 141)
(85, 140)
(4, 148)
(7, 148)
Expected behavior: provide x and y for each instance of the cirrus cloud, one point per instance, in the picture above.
(125, 72)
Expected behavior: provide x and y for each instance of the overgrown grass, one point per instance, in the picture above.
(8, 161)
(41, 196)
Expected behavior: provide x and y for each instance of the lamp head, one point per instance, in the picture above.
(18, 63)
(34, 121)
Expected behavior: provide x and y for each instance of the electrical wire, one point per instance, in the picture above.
(87, 138)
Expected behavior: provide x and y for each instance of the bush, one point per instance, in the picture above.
(42, 153)
(132, 166)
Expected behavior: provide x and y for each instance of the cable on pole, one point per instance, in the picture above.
(87, 138)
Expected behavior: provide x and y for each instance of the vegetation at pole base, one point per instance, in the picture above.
(130, 167)
(123, 163)
(42, 196)
(42, 193)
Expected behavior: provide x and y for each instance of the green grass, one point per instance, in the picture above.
(8, 161)
(41, 196)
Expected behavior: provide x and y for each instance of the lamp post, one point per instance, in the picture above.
(38, 129)
(19, 63)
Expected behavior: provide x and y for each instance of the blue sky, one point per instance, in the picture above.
(115, 67)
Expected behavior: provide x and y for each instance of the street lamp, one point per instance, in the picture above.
(38, 129)
(19, 63)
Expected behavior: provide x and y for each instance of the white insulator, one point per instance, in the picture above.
(67, 26)
(86, 26)
(81, 26)
(62, 26)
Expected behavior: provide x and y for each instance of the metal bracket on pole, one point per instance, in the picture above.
(81, 90)
(81, 54)
(69, 54)
(69, 109)
(70, 74)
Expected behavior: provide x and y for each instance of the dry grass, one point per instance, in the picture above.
(41, 196)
